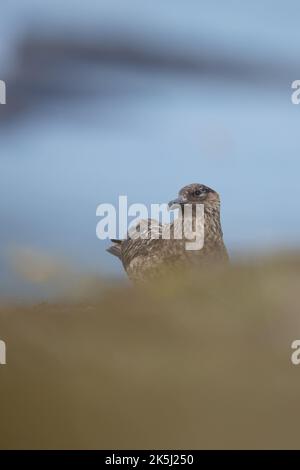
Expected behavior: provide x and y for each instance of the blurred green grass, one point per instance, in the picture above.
(200, 361)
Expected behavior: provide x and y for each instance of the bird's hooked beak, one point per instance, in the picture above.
(179, 201)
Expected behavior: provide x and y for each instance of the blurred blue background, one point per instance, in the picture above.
(140, 98)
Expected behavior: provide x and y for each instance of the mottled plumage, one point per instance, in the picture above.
(147, 258)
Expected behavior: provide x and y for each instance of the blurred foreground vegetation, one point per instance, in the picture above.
(200, 361)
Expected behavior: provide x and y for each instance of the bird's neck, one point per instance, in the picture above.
(212, 221)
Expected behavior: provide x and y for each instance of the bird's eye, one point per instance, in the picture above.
(197, 192)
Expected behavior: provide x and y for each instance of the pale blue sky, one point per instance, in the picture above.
(236, 133)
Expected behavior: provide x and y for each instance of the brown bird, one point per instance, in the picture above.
(148, 254)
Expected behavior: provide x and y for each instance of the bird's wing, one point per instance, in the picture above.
(116, 248)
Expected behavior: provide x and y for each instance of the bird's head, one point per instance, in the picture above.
(196, 194)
